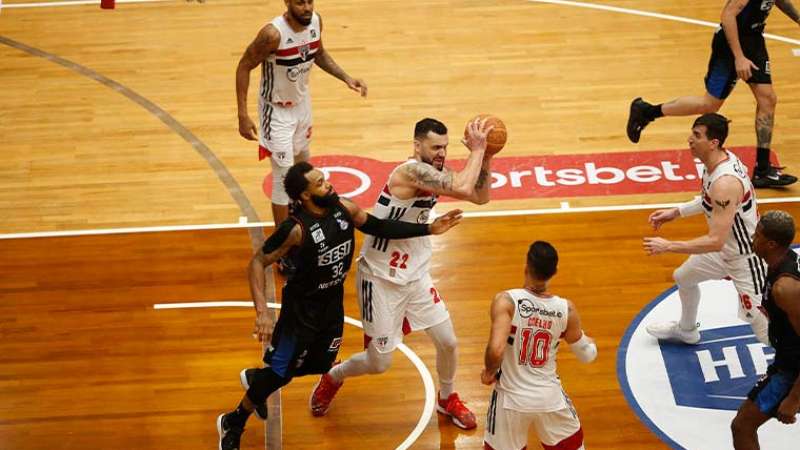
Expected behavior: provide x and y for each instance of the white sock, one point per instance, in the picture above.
(444, 339)
(690, 302)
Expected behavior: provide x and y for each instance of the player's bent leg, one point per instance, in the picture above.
(370, 361)
(695, 269)
(745, 425)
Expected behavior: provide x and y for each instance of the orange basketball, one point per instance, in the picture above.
(497, 137)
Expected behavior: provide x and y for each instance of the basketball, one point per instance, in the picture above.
(497, 137)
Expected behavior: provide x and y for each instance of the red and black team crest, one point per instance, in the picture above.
(304, 50)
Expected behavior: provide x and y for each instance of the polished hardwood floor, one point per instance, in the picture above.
(86, 362)
(126, 118)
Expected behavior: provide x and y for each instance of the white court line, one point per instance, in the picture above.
(564, 208)
(424, 373)
(637, 12)
(70, 3)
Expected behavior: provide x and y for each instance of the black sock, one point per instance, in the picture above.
(239, 416)
(654, 112)
(762, 160)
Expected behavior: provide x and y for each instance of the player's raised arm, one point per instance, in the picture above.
(287, 235)
(471, 183)
(394, 229)
(502, 313)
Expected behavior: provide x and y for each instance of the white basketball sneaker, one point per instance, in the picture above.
(673, 332)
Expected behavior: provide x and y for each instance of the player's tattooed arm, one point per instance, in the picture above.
(789, 9)
(426, 177)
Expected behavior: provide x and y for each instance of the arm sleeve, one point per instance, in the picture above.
(393, 229)
(691, 208)
(279, 236)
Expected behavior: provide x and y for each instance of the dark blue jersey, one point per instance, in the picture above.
(782, 335)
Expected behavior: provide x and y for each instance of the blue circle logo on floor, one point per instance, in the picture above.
(688, 394)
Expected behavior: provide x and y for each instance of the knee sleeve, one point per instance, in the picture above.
(279, 196)
(443, 337)
(265, 382)
(378, 362)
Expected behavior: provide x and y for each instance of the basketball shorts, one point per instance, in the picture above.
(295, 353)
(507, 429)
(748, 274)
(721, 76)
(770, 391)
(389, 310)
(284, 136)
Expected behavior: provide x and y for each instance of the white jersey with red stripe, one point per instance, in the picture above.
(740, 238)
(528, 369)
(400, 260)
(284, 74)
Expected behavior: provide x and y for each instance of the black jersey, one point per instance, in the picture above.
(313, 295)
(782, 336)
(753, 17)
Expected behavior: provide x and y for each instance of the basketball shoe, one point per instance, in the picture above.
(673, 332)
(459, 414)
(322, 395)
(229, 434)
(637, 119)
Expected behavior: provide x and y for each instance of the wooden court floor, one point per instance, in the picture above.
(127, 118)
(87, 362)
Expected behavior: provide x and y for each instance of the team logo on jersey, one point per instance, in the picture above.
(317, 236)
(424, 216)
(688, 394)
(290, 41)
(304, 50)
(313, 33)
(342, 224)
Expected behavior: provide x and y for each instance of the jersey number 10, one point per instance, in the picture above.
(535, 347)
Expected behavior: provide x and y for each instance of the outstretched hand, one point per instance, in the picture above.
(357, 85)
(447, 221)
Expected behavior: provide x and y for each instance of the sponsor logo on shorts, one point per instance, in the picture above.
(335, 344)
(688, 394)
(382, 342)
(540, 176)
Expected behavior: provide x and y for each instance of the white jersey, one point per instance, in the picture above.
(740, 238)
(284, 74)
(528, 370)
(400, 260)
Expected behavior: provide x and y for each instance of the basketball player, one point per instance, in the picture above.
(778, 394)
(738, 50)
(286, 48)
(520, 356)
(728, 201)
(318, 238)
(395, 289)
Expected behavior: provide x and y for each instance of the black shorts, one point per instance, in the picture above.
(721, 76)
(297, 352)
(770, 391)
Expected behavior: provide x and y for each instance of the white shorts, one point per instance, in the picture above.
(748, 274)
(507, 429)
(389, 310)
(285, 136)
